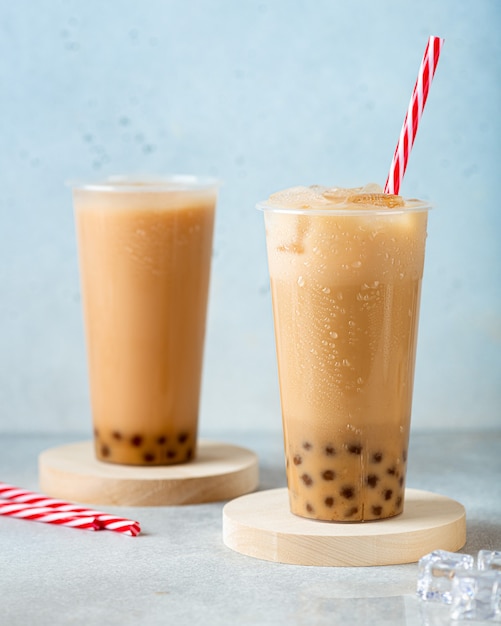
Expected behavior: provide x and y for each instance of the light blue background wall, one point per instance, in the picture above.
(263, 95)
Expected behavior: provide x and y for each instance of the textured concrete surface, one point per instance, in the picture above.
(178, 571)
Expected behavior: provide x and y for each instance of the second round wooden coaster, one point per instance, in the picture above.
(220, 471)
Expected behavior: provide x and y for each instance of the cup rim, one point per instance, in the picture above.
(412, 206)
(141, 183)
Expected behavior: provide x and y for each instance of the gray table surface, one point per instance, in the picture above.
(178, 571)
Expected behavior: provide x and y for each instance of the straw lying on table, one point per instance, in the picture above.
(20, 503)
(413, 115)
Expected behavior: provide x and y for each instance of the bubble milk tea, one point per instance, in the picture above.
(345, 270)
(145, 253)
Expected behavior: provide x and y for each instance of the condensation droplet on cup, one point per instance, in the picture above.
(356, 264)
(326, 290)
(300, 281)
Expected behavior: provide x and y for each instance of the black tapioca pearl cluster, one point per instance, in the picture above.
(297, 460)
(377, 510)
(377, 457)
(328, 475)
(329, 501)
(151, 450)
(354, 448)
(307, 480)
(387, 493)
(351, 512)
(372, 480)
(330, 450)
(347, 492)
(309, 508)
(307, 445)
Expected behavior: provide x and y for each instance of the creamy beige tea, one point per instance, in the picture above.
(345, 268)
(145, 253)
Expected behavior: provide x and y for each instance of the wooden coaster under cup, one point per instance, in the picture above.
(261, 525)
(220, 471)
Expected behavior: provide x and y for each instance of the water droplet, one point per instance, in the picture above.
(300, 281)
(333, 334)
(356, 264)
(326, 290)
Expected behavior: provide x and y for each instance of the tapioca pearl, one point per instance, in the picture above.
(387, 493)
(328, 475)
(329, 502)
(182, 437)
(404, 455)
(297, 460)
(161, 440)
(398, 502)
(149, 457)
(307, 480)
(307, 445)
(377, 457)
(351, 512)
(347, 492)
(377, 510)
(117, 436)
(401, 481)
(391, 471)
(330, 450)
(309, 508)
(105, 450)
(372, 480)
(354, 448)
(171, 454)
(96, 433)
(189, 454)
(136, 441)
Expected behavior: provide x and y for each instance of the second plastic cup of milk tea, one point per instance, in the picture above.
(345, 269)
(145, 250)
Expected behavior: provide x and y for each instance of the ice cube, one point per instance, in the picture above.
(436, 572)
(489, 560)
(386, 200)
(476, 595)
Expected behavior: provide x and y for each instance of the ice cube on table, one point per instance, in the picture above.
(489, 560)
(476, 595)
(436, 572)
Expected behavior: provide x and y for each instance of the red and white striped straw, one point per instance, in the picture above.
(74, 513)
(48, 515)
(413, 115)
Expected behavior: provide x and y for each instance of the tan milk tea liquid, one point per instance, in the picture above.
(346, 290)
(145, 261)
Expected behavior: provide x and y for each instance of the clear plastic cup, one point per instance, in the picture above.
(346, 283)
(145, 249)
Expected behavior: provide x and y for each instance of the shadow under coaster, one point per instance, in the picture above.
(220, 471)
(261, 525)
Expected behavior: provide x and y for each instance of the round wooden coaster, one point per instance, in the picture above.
(260, 525)
(219, 472)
